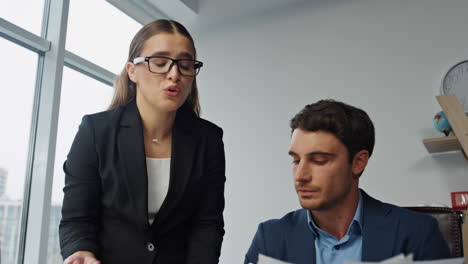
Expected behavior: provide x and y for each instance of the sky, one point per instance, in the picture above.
(91, 35)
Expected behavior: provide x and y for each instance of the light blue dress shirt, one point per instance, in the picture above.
(328, 249)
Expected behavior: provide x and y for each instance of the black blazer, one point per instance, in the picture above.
(105, 205)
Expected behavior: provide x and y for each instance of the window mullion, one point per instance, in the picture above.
(23, 37)
(37, 200)
(88, 68)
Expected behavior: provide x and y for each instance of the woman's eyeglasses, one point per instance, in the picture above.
(161, 64)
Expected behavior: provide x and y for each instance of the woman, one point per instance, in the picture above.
(144, 181)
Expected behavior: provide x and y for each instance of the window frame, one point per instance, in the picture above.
(52, 57)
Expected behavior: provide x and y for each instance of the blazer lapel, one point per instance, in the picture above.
(301, 242)
(379, 231)
(132, 152)
(184, 143)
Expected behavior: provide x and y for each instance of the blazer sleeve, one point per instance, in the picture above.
(431, 244)
(257, 246)
(207, 226)
(81, 202)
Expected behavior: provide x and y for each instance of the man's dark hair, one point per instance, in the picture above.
(351, 125)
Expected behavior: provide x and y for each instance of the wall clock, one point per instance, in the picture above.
(456, 82)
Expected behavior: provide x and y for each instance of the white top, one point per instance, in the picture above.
(158, 184)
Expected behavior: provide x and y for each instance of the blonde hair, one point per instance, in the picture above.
(125, 89)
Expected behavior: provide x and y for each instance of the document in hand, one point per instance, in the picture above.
(401, 259)
(262, 259)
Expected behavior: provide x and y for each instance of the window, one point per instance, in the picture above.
(80, 95)
(91, 37)
(101, 39)
(18, 84)
(29, 18)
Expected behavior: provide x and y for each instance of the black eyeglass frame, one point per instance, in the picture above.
(197, 64)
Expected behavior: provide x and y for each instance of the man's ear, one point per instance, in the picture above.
(360, 162)
(130, 68)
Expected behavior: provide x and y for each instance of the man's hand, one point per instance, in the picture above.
(82, 257)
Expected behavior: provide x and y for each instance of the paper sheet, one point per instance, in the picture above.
(399, 259)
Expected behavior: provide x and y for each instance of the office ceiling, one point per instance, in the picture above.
(200, 13)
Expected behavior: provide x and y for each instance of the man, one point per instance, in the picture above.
(331, 144)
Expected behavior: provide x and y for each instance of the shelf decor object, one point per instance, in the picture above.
(459, 200)
(456, 82)
(458, 120)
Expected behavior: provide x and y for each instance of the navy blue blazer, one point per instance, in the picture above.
(387, 230)
(105, 206)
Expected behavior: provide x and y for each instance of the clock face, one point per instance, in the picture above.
(456, 82)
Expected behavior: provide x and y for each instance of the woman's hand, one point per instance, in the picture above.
(81, 257)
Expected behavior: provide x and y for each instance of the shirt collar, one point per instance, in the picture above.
(355, 226)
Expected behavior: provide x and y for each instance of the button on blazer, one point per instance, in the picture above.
(105, 205)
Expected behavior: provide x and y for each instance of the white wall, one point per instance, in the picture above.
(386, 57)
